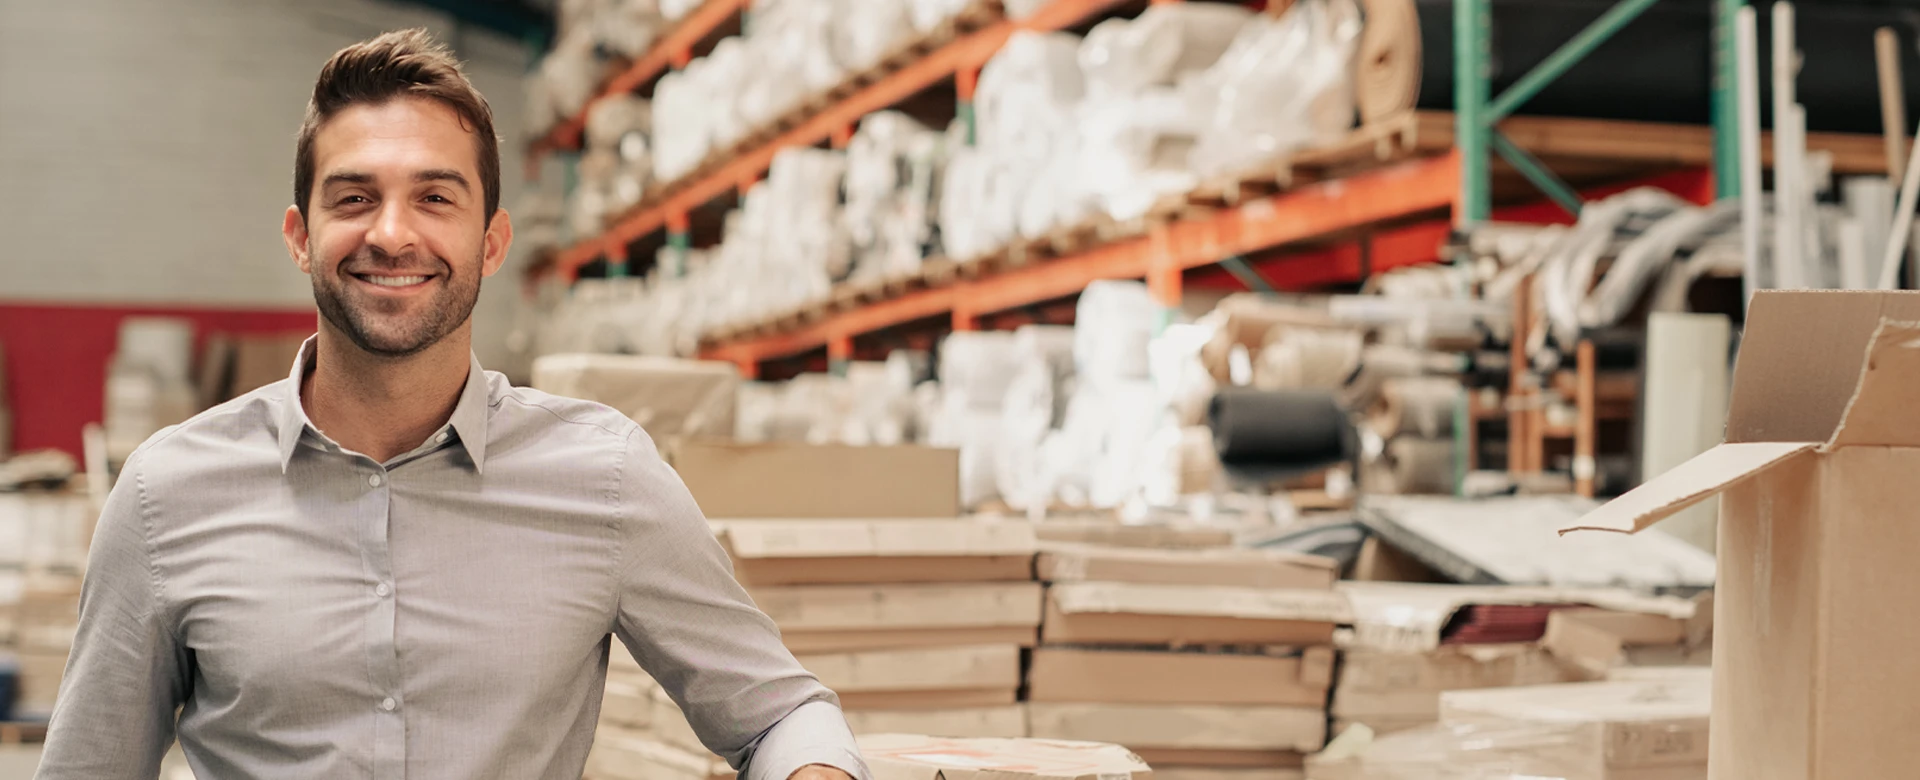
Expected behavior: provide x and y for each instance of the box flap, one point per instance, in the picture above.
(1320, 606)
(751, 539)
(1689, 483)
(1800, 359)
(1881, 411)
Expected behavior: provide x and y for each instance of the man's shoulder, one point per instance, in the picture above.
(249, 418)
(537, 410)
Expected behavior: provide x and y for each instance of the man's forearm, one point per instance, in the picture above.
(815, 733)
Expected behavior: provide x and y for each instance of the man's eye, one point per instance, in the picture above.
(438, 199)
(352, 199)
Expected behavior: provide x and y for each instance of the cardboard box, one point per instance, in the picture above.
(806, 608)
(1126, 613)
(1816, 539)
(1633, 724)
(779, 480)
(670, 726)
(974, 722)
(1060, 674)
(929, 700)
(1109, 532)
(1516, 750)
(1222, 759)
(848, 641)
(262, 359)
(671, 398)
(1409, 618)
(1453, 667)
(930, 669)
(1233, 567)
(800, 552)
(627, 704)
(619, 755)
(1140, 726)
(907, 757)
(1164, 772)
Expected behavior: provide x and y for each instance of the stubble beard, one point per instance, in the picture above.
(397, 334)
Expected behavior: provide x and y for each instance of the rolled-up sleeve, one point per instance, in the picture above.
(690, 625)
(126, 676)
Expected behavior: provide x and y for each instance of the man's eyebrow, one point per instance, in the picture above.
(443, 174)
(346, 177)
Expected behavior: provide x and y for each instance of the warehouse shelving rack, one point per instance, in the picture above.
(1391, 212)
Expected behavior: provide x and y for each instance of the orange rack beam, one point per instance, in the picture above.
(672, 47)
(1401, 191)
(968, 52)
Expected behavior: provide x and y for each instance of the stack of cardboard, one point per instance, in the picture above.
(642, 733)
(1411, 643)
(44, 621)
(917, 624)
(1207, 663)
(1642, 727)
(915, 757)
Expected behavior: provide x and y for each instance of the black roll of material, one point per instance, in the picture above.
(1276, 431)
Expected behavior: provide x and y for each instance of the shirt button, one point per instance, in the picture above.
(382, 590)
(374, 480)
(387, 704)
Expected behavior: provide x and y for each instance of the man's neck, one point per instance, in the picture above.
(383, 407)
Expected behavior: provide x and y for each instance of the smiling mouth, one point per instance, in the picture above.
(383, 280)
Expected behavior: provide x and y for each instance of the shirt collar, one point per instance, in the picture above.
(469, 420)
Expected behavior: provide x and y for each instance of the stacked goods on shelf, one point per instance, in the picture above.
(1641, 727)
(43, 548)
(1413, 643)
(617, 168)
(873, 403)
(915, 757)
(918, 625)
(892, 186)
(593, 35)
(642, 734)
(787, 239)
(670, 398)
(1414, 418)
(1199, 660)
(149, 381)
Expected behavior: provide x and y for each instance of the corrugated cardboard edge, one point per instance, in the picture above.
(1880, 412)
(758, 538)
(1072, 561)
(1325, 606)
(1696, 480)
(894, 756)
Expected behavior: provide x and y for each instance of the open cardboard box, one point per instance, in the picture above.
(1812, 675)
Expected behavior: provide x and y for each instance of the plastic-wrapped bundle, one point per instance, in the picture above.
(1035, 402)
(680, 145)
(675, 10)
(792, 48)
(1284, 84)
(1133, 150)
(976, 367)
(1308, 358)
(1157, 48)
(1113, 324)
(1133, 412)
(1026, 94)
(629, 27)
(620, 125)
(926, 15)
(570, 73)
(866, 31)
(893, 166)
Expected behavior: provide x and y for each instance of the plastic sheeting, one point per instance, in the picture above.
(1283, 84)
(892, 184)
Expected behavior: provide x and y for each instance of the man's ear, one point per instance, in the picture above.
(293, 229)
(499, 239)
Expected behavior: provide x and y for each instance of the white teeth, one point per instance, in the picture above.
(395, 281)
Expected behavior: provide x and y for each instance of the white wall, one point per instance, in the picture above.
(146, 146)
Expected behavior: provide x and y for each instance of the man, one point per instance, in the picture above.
(394, 564)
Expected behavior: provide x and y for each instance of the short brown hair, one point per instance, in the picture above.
(404, 63)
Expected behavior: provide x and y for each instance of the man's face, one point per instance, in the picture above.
(396, 237)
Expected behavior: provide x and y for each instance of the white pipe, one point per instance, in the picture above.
(1789, 272)
(1902, 220)
(1752, 189)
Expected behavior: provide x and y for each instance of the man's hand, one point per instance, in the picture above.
(819, 772)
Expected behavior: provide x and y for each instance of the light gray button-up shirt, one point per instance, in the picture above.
(311, 613)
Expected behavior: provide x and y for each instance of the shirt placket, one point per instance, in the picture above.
(383, 660)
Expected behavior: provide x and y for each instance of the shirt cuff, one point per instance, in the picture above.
(814, 733)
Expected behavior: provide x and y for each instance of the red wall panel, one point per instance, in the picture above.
(56, 358)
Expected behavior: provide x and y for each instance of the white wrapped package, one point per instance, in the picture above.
(1308, 358)
(610, 120)
(1026, 417)
(976, 367)
(571, 72)
(675, 10)
(893, 167)
(680, 145)
(868, 30)
(629, 27)
(926, 15)
(1165, 42)
(1179, 374)
(1113, 324)
(1284, 84)
(1134, 150)
(1133, 412)
(1021, 9)
(1024, 100)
